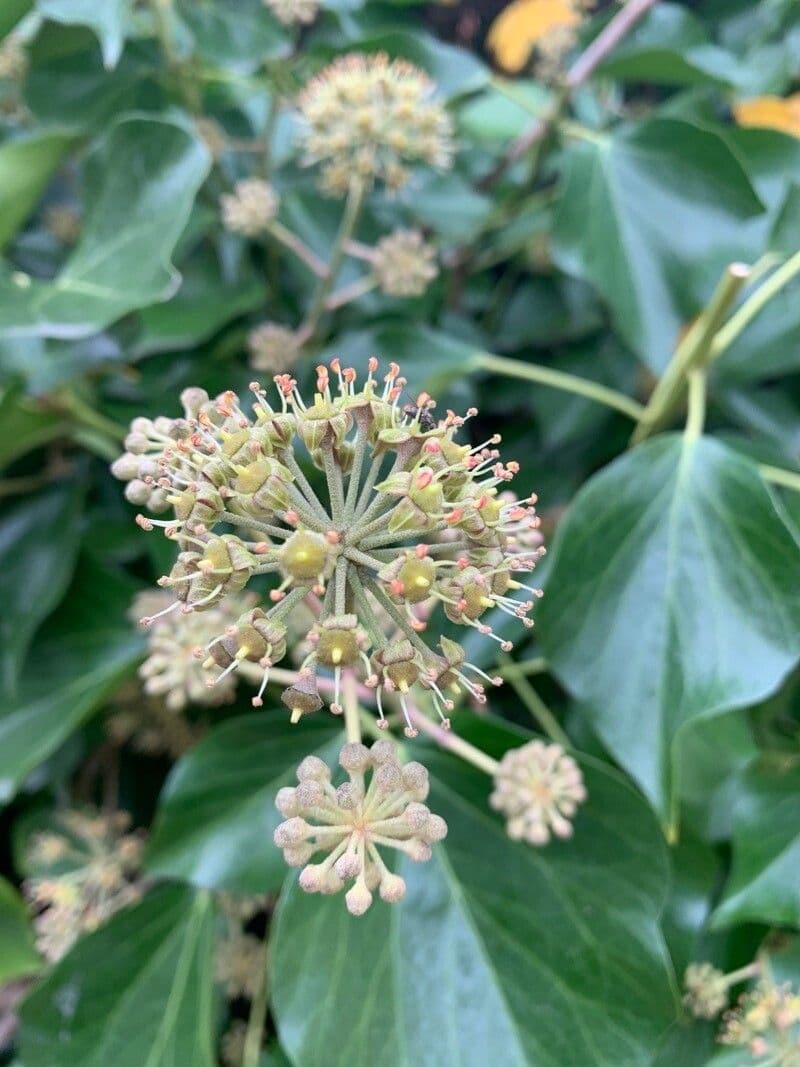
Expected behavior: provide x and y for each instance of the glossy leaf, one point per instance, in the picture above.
(237, 33)
(23, 426)
(203, 304)
(651, 216)
(137, 993)
(39, 539)
(26, 166)
(216, 814)
(80, 657)
(18, 956)
(107, 19)
(622, 622)
(763, 885)
(499, 953)
(140, 188)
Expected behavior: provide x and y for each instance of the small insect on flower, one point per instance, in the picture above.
(411, 519)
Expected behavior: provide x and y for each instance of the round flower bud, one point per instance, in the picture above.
(358, 899)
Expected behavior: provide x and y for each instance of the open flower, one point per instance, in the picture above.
(366, 117)
(172, 669)
(411, 519)
(538, 787)
(351, 821)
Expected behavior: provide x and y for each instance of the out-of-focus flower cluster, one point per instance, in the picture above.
(250, 208)
(350, 821)
(410, 517)
(766, 1022)
(366, 117)
(273, 347)
(538, 787)
(404, 263)
(705, 990)
(294, 12)
(81, 874)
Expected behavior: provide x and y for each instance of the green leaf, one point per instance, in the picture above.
(651, 215)
(39, 540)
(107, 19)
(449, 205)
(671, 47)
(11, 13)
(140, 186)
(18, 954)
(67, 83)
(137, 993)
(26, 166)
(670, 598)
(500, 952)
(430, 359)
(239, 34)
(205, 302)
(80, 656)
(763, 885)
(23, 426)
(216, 814)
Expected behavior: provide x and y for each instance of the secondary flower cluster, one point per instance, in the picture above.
(366, 117)
(411, 518)
(538, 787)
(350, 821)
(80, 876)
(766, 1021)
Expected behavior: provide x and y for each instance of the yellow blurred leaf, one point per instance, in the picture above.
(774, 112)
(525, 23)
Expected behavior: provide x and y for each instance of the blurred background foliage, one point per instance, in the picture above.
(583, 238)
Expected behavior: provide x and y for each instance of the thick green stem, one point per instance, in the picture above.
(696, 410)
(754, 304)
(693, 353)
(556, 379)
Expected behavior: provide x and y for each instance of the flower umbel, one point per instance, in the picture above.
(250, 208)
(81, 875)
(705, 990)
(367, 116)
(404, 263)
(411, 518)
(350, 821)
(538, 787)
(294, 12)
(766, 1021)
(273, 347)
